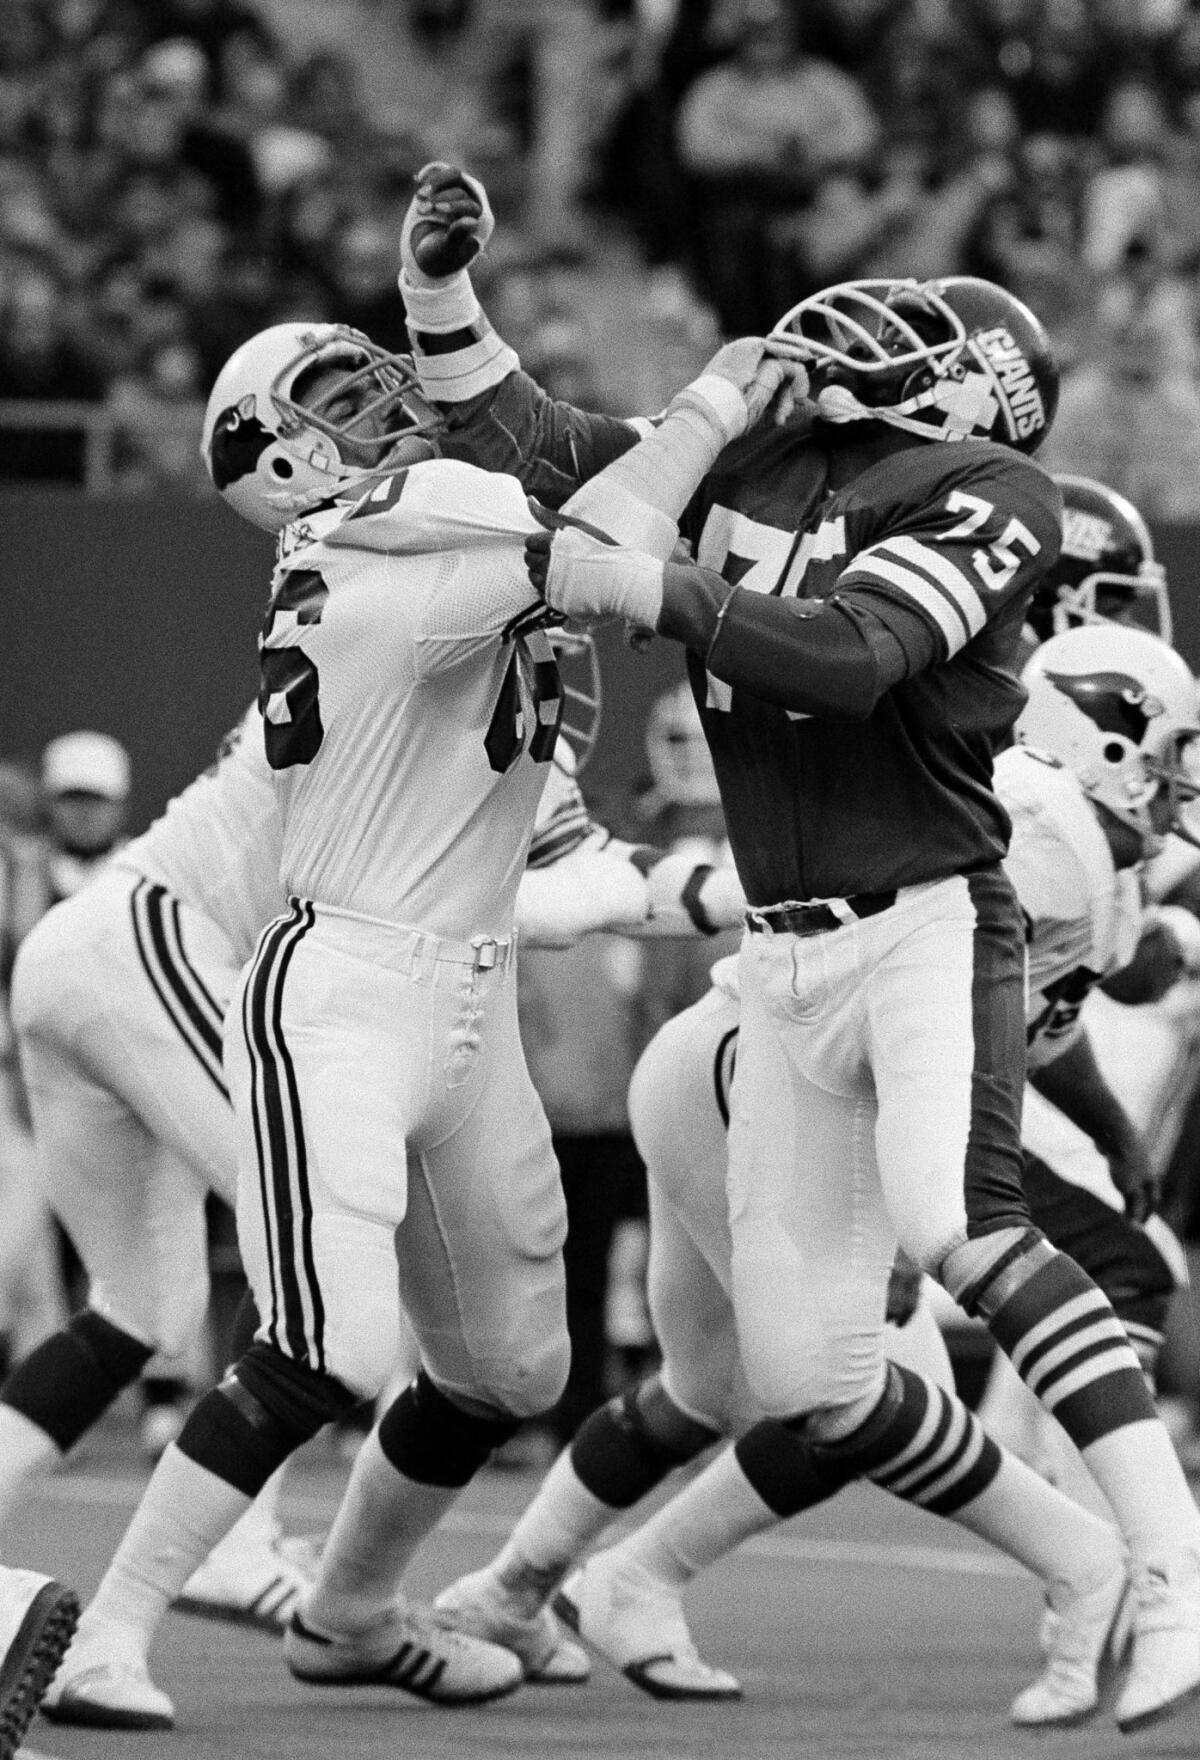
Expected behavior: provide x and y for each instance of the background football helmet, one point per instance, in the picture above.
(579, 675)
(1106, 568)
(1117, 707)
(956, 359)
(274, 454)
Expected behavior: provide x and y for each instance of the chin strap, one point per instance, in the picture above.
(976, 409)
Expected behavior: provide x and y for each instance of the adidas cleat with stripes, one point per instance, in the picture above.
(37, 1618)
(258, 1585)
(407, 1649)
(480, 1605)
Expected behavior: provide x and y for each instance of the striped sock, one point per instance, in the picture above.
(1062, 1337)
(921, 1444)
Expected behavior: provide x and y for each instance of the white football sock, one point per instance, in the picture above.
(26, 1452)
(185, 1510)
(1024, 1516)
(700, 1524)
(260, 1524)
(1139, 1473)
(382, 1519)
(562, 1519)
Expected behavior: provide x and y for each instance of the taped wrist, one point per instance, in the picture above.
(638, 498)
(456, 352)
(429, 1439)
(590, 580)
(718, 401)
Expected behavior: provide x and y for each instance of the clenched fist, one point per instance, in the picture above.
(448, 223)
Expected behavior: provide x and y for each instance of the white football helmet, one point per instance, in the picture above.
(1117, 706)
(680, 761)
(274, 453)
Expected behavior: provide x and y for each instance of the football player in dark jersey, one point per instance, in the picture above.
(1106, 567)
(851, 624)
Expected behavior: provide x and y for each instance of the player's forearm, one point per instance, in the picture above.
(497, 416)
(810, 656)
(638, 498)
(1075, 1084)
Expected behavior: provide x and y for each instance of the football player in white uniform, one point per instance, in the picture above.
(384, 1114)
(1072, 867)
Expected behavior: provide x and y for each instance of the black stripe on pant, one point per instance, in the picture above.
(185, 998)
(283, 1169)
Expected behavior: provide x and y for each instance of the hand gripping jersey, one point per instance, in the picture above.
(954, 536)
(1083, 917)
(217, 845)
(402, 701)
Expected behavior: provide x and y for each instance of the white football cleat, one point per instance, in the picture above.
(104, 1683)
(257, 1584)
(638, 1625)
(407, 1649)
(1164, 1672)
(37, 1618)
(1081, 1641)
(479, 1604)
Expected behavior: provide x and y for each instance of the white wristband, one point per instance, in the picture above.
(440, 306)
(723, 399)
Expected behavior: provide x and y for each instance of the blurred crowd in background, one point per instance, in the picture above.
(176, 173)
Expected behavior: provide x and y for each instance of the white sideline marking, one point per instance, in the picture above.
(110, 1491)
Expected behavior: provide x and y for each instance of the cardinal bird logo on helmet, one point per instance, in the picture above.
(238, 442)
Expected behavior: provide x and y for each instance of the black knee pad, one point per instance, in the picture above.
(72, 1377)
(265, 1408)
(786, 1469)
(630, 1445)
(429, 1439)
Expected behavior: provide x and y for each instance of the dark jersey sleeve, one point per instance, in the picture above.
(954, 536)
(552, 447)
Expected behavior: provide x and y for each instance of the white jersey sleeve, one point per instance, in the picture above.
(217, 846)
(1082, 917)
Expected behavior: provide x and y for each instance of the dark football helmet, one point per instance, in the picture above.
(274, 450)
(956, 359)
(1106, 569)
(1117, 707)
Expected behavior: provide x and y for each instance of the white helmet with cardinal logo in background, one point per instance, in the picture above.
(1117, 707)
(955, 359)
(305, 412)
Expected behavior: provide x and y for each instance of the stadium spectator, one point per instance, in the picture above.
(756, 135)
(1129, 414)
